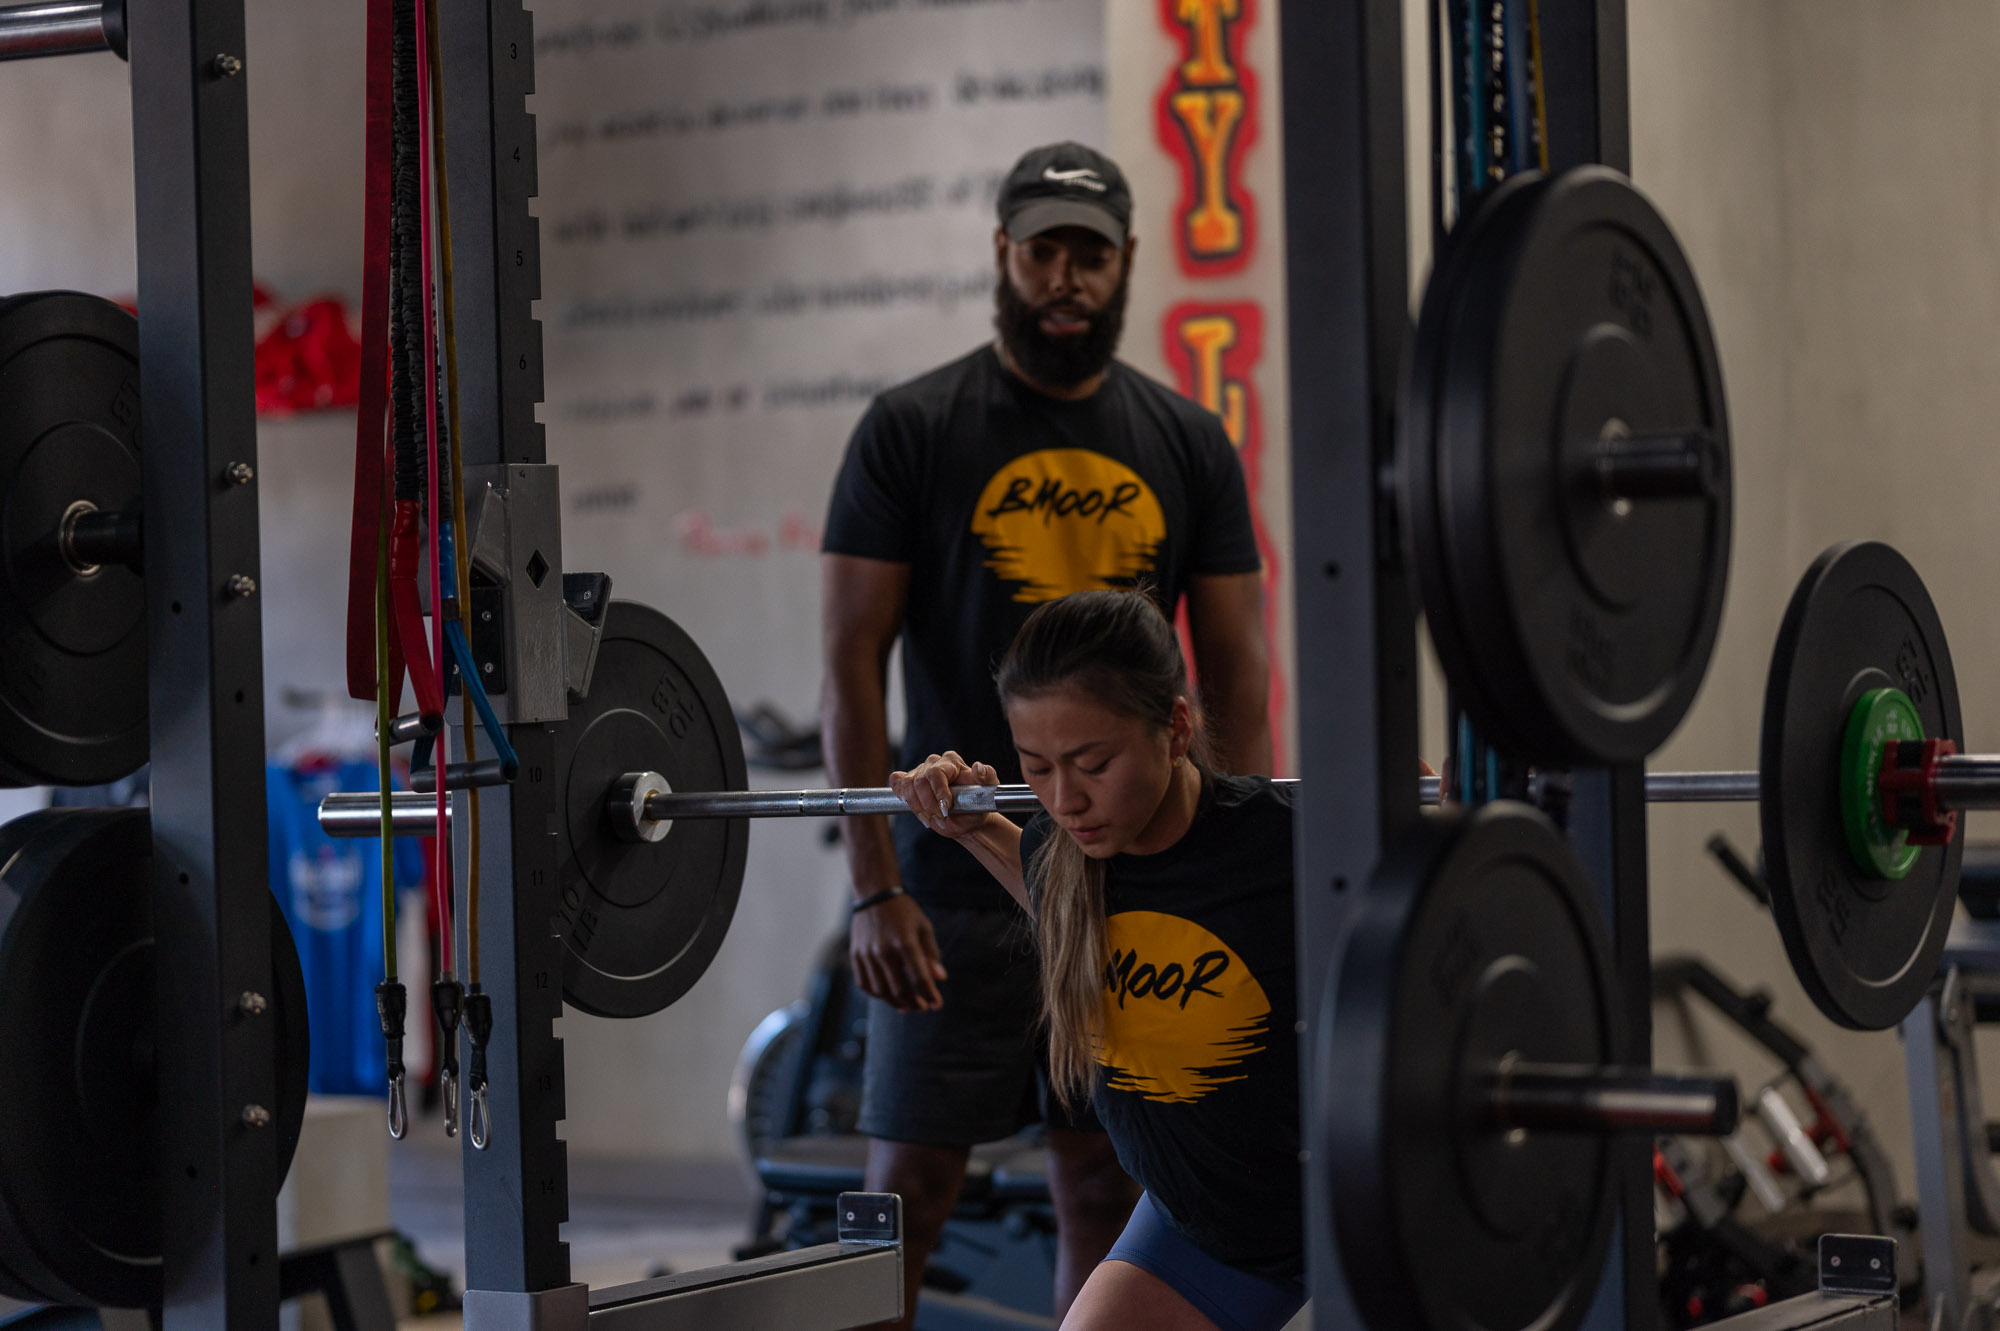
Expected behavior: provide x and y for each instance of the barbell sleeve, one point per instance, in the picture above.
(1555, 1097)
(1968, 781)
(61, 27)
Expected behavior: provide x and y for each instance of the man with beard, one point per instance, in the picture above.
(1034, 467)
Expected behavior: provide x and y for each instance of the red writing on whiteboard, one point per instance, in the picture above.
(697, 533)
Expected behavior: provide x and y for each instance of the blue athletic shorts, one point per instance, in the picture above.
(1234, 1299)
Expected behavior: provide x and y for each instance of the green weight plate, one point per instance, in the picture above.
(1865, 947)
(641, 921)
(72, 644)
(1478, 938)
(1574, 629)
(1880, 717)
(80, 1201)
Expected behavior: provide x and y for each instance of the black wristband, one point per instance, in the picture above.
(886, 894)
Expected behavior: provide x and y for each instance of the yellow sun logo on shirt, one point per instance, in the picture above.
(1181, 1010)
(1065, 520)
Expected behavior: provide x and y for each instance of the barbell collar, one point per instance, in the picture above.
(1606, 1101)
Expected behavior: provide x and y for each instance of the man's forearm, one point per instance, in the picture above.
(855, 729)
(1242, 724)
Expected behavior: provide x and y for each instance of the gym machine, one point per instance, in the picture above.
(1484, 978)
(1574, 621)
(151, 1003)
(565, 657)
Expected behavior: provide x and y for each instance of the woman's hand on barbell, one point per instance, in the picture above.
(928, 790)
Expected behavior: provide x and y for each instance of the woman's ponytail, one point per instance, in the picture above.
(1118, 648)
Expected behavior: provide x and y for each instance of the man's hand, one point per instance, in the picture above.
(895, 956)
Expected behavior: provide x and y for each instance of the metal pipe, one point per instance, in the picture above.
(360, 815)
(1702, 787)
(1968, 781)
(459, 776)
(354, 815)
(1792, 1138)
(1658, 467)
(1556, 1097)
(403, 729)
(61, 27)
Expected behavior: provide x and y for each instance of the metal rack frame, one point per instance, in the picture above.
(190, 148)
(1348, 309)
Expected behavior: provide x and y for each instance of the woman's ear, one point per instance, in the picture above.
(1180, 729)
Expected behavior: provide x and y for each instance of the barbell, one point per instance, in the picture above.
(639, 806)
(1859, 787)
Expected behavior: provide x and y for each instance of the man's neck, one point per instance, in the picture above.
(1073, 393)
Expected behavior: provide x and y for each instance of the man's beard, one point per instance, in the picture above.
(1059, 362)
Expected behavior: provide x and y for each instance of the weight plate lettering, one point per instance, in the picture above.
(72, 643)
(1864, 946)
(80, 1145)
(641, 921)
(1573, 595)
(1478, 938)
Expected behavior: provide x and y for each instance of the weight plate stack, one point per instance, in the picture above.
(641, 921)
(1864, 944)
(80, 1147)
(72, 636)
(1477, 939)
(1574, 598)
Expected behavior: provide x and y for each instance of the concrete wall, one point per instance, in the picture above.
(1831, 169)
(655, 1086)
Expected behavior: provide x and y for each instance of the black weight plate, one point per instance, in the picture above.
(1416, 417)
(72, 647)
(79, 1136)
(1574, 630)
(1865, 948)
(641, 921)
(1478, 937)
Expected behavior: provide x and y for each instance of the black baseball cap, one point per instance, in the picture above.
(1065, 184)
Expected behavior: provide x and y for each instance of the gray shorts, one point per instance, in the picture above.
(976, 1070)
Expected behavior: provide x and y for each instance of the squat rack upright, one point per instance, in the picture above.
(1348, 301)
(215, 1047)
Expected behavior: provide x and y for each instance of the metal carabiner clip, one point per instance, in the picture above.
(399, 1109)
(448, 1091)
(481, 1128)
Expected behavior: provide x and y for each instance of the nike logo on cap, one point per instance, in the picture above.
(1082, 175)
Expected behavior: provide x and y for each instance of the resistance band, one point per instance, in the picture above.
(378, 675)
(447, 997)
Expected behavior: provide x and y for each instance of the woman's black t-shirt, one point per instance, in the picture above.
(1198, 1064)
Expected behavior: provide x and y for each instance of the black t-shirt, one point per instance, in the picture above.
(1000, 498)
(1199, 1067)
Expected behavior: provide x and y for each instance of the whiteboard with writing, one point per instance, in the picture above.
(756, 215)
